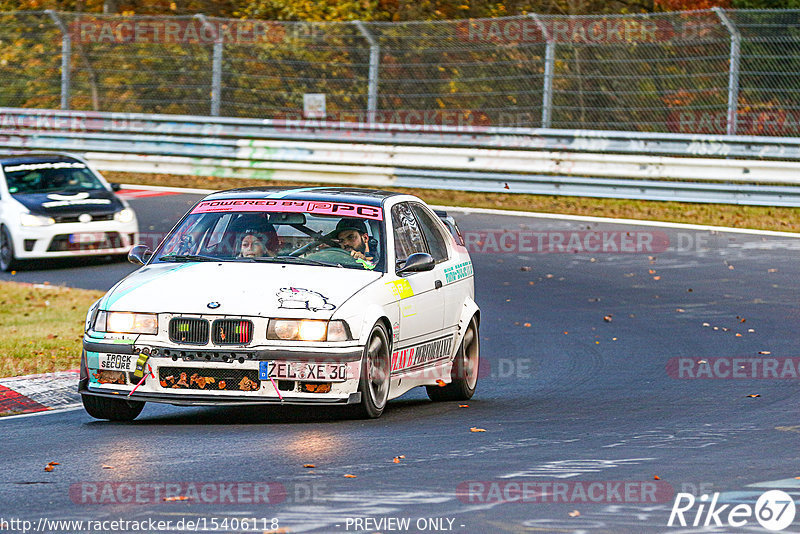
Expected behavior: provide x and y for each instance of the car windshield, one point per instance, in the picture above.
(296, 232)
(49, 177)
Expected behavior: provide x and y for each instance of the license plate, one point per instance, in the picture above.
(117, 362)
(307, 372)
(87, 237)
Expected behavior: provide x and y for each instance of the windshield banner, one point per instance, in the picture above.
(313, 207)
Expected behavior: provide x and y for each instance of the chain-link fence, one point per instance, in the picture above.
(714, 71)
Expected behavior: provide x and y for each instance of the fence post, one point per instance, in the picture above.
(549, 64)
(733, 70)
(374, 64)
(66, 53)
(216, 66)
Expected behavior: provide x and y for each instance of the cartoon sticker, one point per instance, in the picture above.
(296, 298)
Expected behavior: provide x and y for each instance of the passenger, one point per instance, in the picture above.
(255, 244)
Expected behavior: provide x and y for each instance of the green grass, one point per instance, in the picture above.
(41, 327)
(758, 217)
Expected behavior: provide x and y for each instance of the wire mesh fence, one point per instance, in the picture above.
(713, 71)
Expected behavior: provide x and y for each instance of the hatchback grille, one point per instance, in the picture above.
(189, 331)
(232, 332)
(209, 379)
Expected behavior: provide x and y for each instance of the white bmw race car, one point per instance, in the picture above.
(317, 296)
(55, 205)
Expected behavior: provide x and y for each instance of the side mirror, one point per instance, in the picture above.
(417, 263)
(115, 186)
(139, 254)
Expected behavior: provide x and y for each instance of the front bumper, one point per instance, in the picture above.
(212, 366)
(49, 241)
(202, 400)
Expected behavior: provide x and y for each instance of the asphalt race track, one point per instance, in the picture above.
(578, 385)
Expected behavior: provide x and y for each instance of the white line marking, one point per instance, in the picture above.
(610, 220)
(43, 412)
(533, 214)
(186, 190)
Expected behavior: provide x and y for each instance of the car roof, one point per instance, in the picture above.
(352, 195)
(20, 159)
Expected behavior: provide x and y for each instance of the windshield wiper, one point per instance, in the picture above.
(187, 257)
(297, 259)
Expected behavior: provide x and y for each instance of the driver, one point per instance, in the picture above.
(352, 236)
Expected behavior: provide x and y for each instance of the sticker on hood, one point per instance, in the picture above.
(295, 298)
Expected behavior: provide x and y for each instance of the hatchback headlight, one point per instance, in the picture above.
(307, 330)
(124, 215)
(126, 322)
(29, 219)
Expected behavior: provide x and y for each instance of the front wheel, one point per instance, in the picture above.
(7, 259)
(465, 369)
(375, 370)
(111, 409)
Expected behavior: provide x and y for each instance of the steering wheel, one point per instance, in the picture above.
(333, 255)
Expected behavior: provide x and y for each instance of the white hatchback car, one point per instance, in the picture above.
(317, 296)
(55, 205)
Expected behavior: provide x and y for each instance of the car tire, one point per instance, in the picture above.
(375, 370)
(7, 259)
(112, 409)
(465, 369)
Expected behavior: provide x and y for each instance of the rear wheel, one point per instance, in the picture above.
(465, 369)
(7, 259)
(111, 409)
(375, 369)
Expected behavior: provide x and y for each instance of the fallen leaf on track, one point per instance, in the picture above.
(527, 325)
(476, 429)
(608, 318)
(176, 498)
(764, 352)
(350, 476)
(108, 467)
(574, 513)
(656, 477)
(310, 466)
(463, 405)
(656, 278)
(753, 396)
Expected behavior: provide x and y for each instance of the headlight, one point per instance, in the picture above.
(126, 322)
(29, 219)
(124, 215)
(307, 330)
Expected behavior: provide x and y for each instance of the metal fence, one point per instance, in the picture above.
(713, 71)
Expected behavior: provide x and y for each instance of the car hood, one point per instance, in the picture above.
(70, 203)
(252, 289)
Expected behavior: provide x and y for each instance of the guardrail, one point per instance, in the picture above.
(539, 161)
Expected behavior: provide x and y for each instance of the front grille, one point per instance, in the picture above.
(188, 331)
(74, 218)
(232, 332)
(209, 379)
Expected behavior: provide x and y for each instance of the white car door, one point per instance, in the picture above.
(421, 299)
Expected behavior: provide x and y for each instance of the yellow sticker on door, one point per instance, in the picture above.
(401, 289)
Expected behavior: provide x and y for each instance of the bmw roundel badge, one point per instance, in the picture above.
(213, 305)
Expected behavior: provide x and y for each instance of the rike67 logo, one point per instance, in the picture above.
(774, 510)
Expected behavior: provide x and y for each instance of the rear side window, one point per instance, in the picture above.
(407, 235)
(430, 229)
